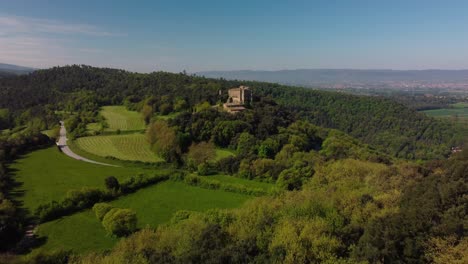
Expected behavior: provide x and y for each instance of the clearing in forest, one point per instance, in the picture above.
(119, 118)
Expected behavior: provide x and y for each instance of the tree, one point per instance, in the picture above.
(120, 222)
(163, 140)
(268, 148)
(448, 250)
(246, 144)
(202, 107)
(165, 108)
(225, 131)
(200, 153)
(4, 118)
(290, 179)
(147, 112)
(112, 183)
(101, 209)
(180, 104)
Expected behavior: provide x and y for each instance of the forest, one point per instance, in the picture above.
(356, 179)
(383, 123)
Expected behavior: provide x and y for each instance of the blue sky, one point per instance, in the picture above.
(227, 35)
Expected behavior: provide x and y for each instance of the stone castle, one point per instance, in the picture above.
(238, 97)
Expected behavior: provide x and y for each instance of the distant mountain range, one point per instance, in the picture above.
(10, 69)
(347, 77)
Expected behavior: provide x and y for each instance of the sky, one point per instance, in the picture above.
(194, 36)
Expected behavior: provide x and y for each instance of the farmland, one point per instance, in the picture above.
(119, 118)
(133, 147)
(154, 205)
(457, 113)
(47, 175)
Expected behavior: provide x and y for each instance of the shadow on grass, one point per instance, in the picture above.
(26, 220)
(27, 244)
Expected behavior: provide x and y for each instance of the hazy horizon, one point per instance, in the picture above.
(245, 35)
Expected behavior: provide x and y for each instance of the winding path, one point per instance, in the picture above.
(62, 144)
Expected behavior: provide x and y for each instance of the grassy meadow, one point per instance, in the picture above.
(119, 118)
(457, 113)
(48, 174)
(223, 153)
(247, 183)
(79, 232)
(154, 205)
(133, 147)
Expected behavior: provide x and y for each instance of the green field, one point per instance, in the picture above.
(247, 183)
(154, 205)
(458, 113)
(223, 153)
(80, 232)
(47, 175)
(460, 105)
(118, 117)
(125, 147)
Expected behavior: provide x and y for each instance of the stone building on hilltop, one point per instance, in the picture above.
(238, 97)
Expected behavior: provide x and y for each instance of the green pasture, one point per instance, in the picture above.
(154, 205)
(247, 183)
(223, 153)
(47, 174)
(133, 147)
(119, 118)
(457, 113)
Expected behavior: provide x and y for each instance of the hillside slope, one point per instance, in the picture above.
(380, 122)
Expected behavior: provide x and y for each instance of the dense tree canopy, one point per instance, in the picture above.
(394, 128)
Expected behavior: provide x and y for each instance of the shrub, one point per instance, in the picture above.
(101, 209)
(229, 165)
(200, 153)
(74, 201)
(204, 169)
(180, 216)
(112, 183)
(140, 181)
(120, 222)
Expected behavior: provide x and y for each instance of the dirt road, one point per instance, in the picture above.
(62, 144)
